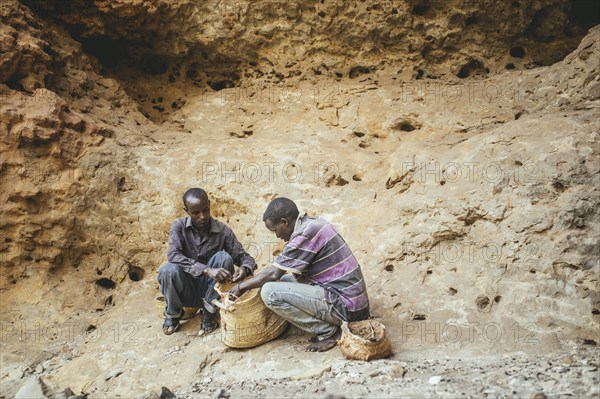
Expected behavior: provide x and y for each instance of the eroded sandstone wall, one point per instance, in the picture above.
(211, 45)
(87, 198)
(51, 192)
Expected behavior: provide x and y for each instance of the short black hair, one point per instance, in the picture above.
(195, 193)
(280, 208)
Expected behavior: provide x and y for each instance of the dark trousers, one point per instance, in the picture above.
(182, 289)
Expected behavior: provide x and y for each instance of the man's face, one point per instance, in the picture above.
(199, 211)
(283, 229)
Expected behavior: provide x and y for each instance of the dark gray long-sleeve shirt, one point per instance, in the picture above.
(191, 251)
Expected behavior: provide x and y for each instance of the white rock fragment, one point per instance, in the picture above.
(33, 389)
(436, 379)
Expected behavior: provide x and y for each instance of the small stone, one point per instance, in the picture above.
(39, 369)
(165, 393)
(397, 371)
(313, 373)
(567, 360)
(374, 373)
(436, 379)
(539, 395)
(221, 394)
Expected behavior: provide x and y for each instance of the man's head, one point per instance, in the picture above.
(280, 217)
(197, 205)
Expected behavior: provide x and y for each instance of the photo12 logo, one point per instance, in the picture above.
(321, 94)
(471, 332)
(262, 252)
(467, 93)
(468, 252)
(68, 332)
(266, 172)
(460, 172)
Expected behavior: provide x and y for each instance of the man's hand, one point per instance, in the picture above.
(220, 275)
(239, 274)
(271, 273)
(235, 293)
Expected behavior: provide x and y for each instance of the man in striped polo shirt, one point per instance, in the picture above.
(325, 285)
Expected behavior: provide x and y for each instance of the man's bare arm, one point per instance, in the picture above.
(271, 273)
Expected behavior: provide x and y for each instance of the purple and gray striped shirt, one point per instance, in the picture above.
(318, 255)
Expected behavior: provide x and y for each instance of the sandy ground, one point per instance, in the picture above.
(123, 353)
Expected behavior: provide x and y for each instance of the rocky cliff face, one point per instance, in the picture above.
(146, 45)
(454, 144)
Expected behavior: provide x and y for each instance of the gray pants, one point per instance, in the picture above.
(302, 305)
(182, 289)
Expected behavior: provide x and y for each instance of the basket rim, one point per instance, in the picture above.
(351, 335)
(227, 301)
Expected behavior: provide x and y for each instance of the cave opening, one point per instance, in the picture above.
(106, 283)
(136, 273)
(517, 52)
(585, 13)
(472, 20)
(131, 62)
(420, 9)
(109, 52)
(472, 68)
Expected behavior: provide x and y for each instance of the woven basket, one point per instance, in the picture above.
(247, 322)
(365, 340)
(188, 312)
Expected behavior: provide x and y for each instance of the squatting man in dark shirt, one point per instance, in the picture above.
(325, 285)
(202, 251)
